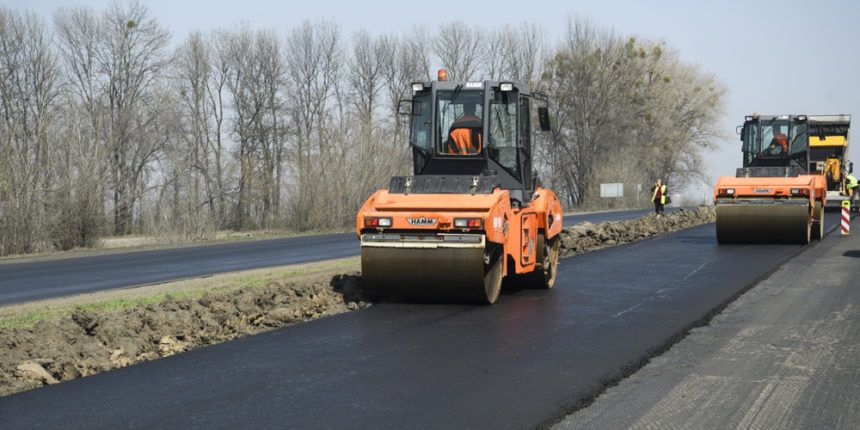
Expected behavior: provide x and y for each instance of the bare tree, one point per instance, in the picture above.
(131, 56)
(461, 50)
(255, 79)
(623, 106)
(28, 92)
(191, 157)
(84, 122)
(583, 78)
(271, 126)
(516, 53)
(404, 61)
(314, 63)
(371, 59)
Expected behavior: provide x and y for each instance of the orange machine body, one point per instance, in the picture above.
(810, 188)
(427, 216)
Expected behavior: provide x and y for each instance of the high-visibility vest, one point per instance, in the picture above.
(852, 182)
(662, 194)
(465, 136)
(462, 142)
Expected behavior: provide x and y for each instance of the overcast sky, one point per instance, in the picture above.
(774, 56)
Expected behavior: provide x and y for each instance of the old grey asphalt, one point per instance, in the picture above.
(784, 355)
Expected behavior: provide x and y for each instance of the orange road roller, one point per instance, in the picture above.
(472, 214)
(779, 194)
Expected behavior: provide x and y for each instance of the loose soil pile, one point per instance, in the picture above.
(585, 237)
(88, 342)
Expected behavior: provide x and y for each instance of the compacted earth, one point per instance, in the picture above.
(86, 342)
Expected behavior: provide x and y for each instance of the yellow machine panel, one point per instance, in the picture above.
(828, 141)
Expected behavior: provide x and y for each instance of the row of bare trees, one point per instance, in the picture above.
(109, 127)
(626, 111)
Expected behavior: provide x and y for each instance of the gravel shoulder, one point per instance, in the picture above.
(784, 355)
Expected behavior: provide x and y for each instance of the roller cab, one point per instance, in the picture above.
(773, 198)
(472, 214)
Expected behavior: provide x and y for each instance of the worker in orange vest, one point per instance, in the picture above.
(779, 143)
(465, 133)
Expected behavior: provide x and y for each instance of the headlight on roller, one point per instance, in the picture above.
(468, 222)
(377, 221)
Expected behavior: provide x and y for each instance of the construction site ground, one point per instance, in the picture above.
(60, 339)
(528, 361)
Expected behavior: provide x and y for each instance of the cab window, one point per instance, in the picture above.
(503, 131)
(456, 109)
(420, 127)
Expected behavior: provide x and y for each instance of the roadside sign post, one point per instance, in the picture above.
(846, 217)
(638, 191)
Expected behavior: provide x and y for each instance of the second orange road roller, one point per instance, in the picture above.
(472, 214)
(779, 194)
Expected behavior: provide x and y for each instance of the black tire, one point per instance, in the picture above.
(494, 273)
(543, 276)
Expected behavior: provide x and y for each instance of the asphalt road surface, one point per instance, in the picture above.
(34, 280)
(784, 355)
(529, 360)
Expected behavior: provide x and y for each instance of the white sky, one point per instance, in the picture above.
(775, 56)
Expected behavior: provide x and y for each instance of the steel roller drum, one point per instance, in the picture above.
(430, 274)
(763, 223)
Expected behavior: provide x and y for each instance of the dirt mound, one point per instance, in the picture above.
(586, 236)
(87, 343)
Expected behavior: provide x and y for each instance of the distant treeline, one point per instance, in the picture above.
(107, 129)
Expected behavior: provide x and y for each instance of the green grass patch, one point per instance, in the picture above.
(29, 318)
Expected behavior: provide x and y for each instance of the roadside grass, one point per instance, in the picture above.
(29, 314)
(30, 318)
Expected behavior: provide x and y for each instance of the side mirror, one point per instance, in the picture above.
(850, 167)
(740, 131)
(543, 118)
(408, 107)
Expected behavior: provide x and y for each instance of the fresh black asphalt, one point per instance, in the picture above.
(526, 361)
(34, 280)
